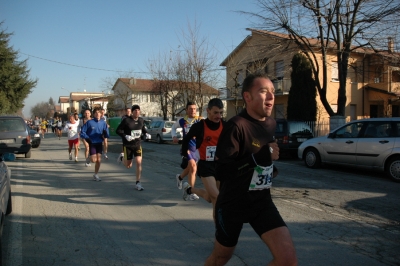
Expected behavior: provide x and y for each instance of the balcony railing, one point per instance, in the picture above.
(282, 86)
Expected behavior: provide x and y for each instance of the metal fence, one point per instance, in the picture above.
(319, 128)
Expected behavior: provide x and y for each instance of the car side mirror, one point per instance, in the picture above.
(331, 136)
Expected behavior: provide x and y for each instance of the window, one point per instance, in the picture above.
(378, 75)
(378, 130)
(349, 131)
(334, 71)
(353, 111)
(153, 98)
(279, 69)
(240, 76)
(279, 111)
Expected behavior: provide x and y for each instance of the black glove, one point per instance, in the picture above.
(263, 156)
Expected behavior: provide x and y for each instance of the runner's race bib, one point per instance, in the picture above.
(136, 134)
(210, 153)
(59, 124)
(262, 178)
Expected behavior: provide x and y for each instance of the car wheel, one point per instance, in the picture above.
(393, 168)
(159, 140)
(9, 205)
(312, 159)
(28, 154)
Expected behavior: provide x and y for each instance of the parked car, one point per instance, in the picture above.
(35, 138)
(5, 196)
(372, 143)
(290, 134)
(14, 136)
(160, 131)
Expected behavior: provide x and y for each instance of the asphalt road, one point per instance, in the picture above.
(62, 217)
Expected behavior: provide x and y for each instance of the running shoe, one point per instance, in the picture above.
(76, 159)
(87, 164)
(96, 177)
(120, 157)
(185, 187)
(70, 156)
(105, 155)
(139, 187)
(193, 197)
(178, 181)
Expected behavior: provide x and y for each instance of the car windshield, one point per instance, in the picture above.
(10, 125)
(169, 124)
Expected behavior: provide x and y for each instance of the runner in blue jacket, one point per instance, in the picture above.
(94, 132)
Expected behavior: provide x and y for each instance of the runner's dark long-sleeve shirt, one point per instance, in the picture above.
(131, 127)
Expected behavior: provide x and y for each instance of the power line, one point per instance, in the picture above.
(62, 63)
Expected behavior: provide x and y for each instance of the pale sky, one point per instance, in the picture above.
(75, 44)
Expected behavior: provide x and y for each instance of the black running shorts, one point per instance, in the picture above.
(130, 152)
(229, 222)
(206, 168)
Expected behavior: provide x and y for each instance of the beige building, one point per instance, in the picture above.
(373, 80)
(129, 91)
(73, 102)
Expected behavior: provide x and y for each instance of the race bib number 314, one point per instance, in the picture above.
(262, 177)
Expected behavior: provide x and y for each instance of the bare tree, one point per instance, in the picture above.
(200, 63)
(165, 86)
(41, 109)
(340, 27)
(185, 74)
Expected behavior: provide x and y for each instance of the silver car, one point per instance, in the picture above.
(372, 143)
(5, 193)
(160, 131)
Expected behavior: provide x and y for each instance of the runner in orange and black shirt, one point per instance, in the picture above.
(205, 133)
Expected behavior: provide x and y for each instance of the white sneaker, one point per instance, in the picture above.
(139, 187)
(70, 156)
(178, 181)
(185, 187)
(76, 159)
(96, 177)
(187, 196)
(120, 157)
(87, 164)
(105, 155)
(193, 197)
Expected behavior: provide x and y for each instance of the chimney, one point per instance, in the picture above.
(132, 81)
(390, 45)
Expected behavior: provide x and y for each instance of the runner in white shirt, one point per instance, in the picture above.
(76, 116)
(73, 136)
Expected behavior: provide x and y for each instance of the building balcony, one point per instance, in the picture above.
(282, 86)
